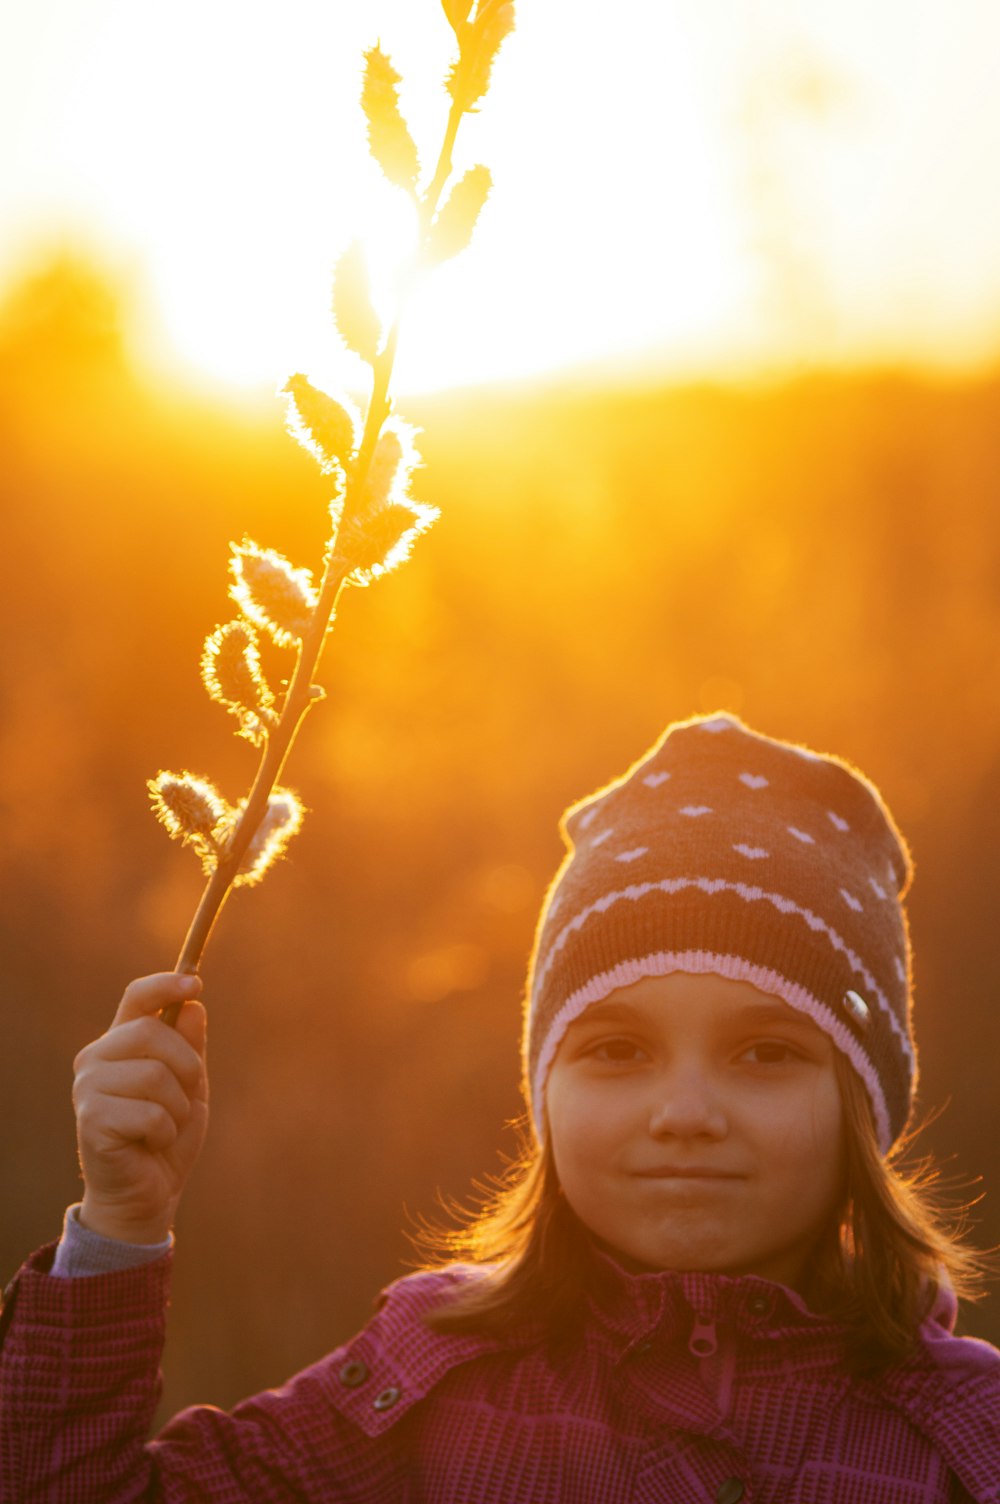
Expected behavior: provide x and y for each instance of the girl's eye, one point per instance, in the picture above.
(617, 1051)
(771, 1052)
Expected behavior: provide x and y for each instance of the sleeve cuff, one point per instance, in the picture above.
(82, 1253)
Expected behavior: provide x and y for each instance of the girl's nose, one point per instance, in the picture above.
(687, 1105)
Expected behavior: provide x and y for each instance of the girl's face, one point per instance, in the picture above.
(696, 1124)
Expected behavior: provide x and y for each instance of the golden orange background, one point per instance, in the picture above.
(823, 557)
(811, 540)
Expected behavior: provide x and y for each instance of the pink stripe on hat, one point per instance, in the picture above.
(756, 888)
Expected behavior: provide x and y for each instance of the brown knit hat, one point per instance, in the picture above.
(726, 852)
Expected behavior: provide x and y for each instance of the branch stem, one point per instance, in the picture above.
(299, 696)
(429, 202)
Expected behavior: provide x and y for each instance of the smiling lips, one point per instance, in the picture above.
(686, 1172)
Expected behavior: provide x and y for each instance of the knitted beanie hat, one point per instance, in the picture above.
(726, 852)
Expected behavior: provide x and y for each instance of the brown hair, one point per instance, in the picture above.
(889, 1248)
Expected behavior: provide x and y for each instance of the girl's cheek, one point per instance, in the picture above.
(821, 1133)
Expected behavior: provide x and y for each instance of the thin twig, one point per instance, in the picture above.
(299, 696)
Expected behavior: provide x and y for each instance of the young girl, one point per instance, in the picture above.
(705, 1282)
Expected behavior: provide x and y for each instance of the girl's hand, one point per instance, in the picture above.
(141, 1099)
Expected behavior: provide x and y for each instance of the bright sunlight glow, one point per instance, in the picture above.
(698, 185)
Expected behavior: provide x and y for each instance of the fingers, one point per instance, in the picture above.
(142, 1075)
(148, 996)
(146, 1081)
(108, 1123)
(127, 1097)
(149, 1039)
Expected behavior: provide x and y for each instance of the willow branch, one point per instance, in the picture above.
(301, 693)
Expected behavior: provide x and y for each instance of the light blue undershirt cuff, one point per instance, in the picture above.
(81, 1252)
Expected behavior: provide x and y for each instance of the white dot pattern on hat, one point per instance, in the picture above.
(818, 879)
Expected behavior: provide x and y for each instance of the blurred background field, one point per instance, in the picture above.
(821, 556)
(745, 453)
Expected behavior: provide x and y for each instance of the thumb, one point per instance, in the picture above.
(150, 995)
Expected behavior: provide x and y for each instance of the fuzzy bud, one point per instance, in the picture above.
(280, 821)
(353, 310)
(271, 593)
(389, 139)
(232, 675)
(456, 220)
(392, 464)
(481, 40)
(328, 428)
(373, 545)
(192, 810)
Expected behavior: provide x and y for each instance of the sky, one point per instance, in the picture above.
(686, 186)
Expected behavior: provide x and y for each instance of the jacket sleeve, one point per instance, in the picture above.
(79, 1381)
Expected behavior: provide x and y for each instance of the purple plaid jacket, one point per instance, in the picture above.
(682, 1389)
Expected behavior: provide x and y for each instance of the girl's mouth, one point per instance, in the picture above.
(687, 1172)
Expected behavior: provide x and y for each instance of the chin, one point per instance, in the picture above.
(680, 1258)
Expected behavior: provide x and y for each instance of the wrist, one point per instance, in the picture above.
(110, 1222)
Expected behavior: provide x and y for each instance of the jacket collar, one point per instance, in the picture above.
(944, 1384)
(632, 1306)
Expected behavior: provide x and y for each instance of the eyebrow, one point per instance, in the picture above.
(754, 1016)
(773, 1013)
(607, 1013)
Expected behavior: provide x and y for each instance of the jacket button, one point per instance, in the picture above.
(387, 1398)
(758, 1305)
(353, 1373)
(730, 1491)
